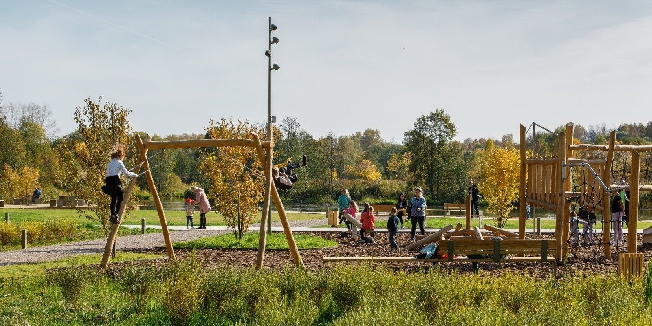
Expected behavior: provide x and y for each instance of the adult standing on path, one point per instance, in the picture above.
(418, 212)
(204, 205)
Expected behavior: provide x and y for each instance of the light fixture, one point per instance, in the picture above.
(272, 27)
(275, 40)
(275, 67)
(267, 53)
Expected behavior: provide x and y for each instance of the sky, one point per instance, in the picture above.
(345, 65)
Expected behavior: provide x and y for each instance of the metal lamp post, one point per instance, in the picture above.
(267, 207)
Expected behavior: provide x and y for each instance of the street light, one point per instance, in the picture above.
(270, 119)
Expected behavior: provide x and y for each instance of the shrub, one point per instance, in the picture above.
(182, 290)
(137, 282)
(72, 281)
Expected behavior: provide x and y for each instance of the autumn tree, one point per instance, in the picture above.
(235, 175)
(86, 152)
(364, 170)
(398, 166)
(18, 183)
(499, 173)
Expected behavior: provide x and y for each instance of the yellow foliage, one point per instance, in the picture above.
(500, 168)
(19, 184)
(398, 166)
(365, 170)
(235, 174)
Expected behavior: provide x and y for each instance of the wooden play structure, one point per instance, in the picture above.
(549, 183)
(264, 150)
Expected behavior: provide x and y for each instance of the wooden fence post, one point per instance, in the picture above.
(24, 239)
(142, 225)
(7, 217)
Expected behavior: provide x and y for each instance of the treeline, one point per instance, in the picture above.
(32, 155)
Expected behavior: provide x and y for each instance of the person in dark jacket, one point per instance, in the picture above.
(392, 227)
(401, 208)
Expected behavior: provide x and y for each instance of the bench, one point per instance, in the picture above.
(492, 251)
(448, 207)
(382, 209)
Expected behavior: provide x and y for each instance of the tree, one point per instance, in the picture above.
(235, 175)
(18, 183)
(500, 168)
(85, 153)
(19, 113)
(435, 161)
(364, 170)
(398, 166)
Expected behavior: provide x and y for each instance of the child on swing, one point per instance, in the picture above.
(284, 177)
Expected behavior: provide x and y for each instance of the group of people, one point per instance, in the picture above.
(414, 210)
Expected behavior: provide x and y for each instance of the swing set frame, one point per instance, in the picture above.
(264, 150)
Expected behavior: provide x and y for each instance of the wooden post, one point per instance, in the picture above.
(7, 217)
(632, 224)
(143, 225)
(567, 187)
(467, 206)
(521, 191)
(157, 199)
(294, 251)
(23, 237)
(606, 199)
(431, 238)
(559, 220)
(267, 164)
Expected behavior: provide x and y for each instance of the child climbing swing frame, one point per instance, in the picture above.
(264, 153)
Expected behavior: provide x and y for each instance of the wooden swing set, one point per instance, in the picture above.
(264, 150)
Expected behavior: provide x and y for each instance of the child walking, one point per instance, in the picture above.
(392, 227)
(190, 210)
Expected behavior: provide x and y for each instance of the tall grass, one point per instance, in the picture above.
(187, 293)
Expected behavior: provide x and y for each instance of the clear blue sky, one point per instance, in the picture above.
(345, 65)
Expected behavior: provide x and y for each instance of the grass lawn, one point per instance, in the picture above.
(134, 217)
(275, 241)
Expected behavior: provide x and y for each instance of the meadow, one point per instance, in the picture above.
(187, 293)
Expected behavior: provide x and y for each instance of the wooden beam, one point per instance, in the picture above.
(157, 199)
(522, 217)
(589, 161)
(559, 220)
(198, 143)
(502, 232)
(294, 251)
(632, 223)
(431, 238)
(267, 164)
(542, 203)
(617, 148)
(567, 186)
(606, 198)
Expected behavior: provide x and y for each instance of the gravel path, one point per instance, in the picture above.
(124, 243)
